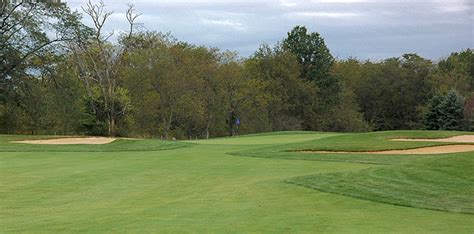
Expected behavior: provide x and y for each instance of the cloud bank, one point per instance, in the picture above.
(352, 28)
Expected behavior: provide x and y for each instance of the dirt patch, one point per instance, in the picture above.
(445, 149)
(71, 141)
(455, 139)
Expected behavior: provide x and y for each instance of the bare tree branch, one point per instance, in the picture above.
(98, 17)
(131, 17)
(8, 15)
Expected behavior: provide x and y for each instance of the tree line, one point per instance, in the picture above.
(59, 76)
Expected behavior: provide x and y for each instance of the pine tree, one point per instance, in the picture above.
(452, 109)
(433, 120)
(445, 112)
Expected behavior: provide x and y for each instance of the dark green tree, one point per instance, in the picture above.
(315, 63)
(392, 93)
(445, 112)
(452, 109)
(311, 52)
(433, 118)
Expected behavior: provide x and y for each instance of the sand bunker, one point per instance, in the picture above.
(71, 141)
(456, 139)
(444, 149)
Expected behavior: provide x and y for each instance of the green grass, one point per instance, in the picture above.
(119, 145)
(444, 183)
(268, 138)
(155, 186)
(354, 142)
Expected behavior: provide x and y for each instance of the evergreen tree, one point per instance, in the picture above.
(433, 120)
(452, 109)
(445, 112)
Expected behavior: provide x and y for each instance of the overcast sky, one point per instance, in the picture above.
(351, 28)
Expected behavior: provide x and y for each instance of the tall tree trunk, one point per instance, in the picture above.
(112, 126)
(112, 113)
(109, 125)
(208, 125)
(167, 123)
(168, 127)
(231, 122)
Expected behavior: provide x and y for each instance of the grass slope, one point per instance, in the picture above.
(439, 182)
(268, 138)
(119, 145)
(444, 183)
(354, 142)
(199, 187)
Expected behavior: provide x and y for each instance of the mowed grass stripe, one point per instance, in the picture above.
(441, 183)
(374, 141)
(200, 187)
(438, 181)
(197, 188)
(267, 138)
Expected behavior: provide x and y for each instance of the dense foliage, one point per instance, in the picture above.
(445, 112)
(150, 84)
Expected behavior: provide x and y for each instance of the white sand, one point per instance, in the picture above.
(70, 141)
(457, 139)
(445, 149)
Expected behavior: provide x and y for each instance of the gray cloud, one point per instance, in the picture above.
(351, 28)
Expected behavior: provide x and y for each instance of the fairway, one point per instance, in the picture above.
(236, 116)
(254, 183)
(267, 138)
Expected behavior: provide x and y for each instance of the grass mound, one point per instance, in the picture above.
(434, 181)
(445, 184)
(119, 145)
(374, 141)
(127, 186)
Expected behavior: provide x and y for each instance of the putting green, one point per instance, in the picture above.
(267, 138)
(151, 186)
